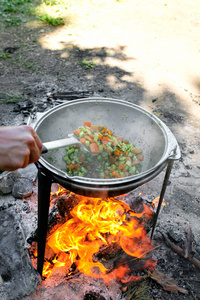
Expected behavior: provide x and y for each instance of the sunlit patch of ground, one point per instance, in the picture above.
(161, 39)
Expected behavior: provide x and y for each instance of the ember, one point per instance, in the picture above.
(92, 224)
(155, 202)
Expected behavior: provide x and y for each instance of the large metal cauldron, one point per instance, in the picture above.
(126, 120)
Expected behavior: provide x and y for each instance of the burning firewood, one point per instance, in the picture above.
(137, 205)
(109, 251)
(91, 232)
(188, 251)
(65, 203)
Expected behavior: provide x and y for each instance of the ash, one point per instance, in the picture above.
(78, 287)
(22, 213)
(181, 210)
(17, 272)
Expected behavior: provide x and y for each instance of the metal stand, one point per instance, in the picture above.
(44, 189)
(162, 193)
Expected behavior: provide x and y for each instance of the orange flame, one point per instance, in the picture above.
(96, 222)
(60, 191)
(155, 202)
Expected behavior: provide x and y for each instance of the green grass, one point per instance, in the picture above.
(11, 97)
(87, 64)
(13, 21)
(55, 2)
(13, 6)
(4, 55)
(138, 291)
(52, 12)
(29, 64)
(15, 12)
(53, 21)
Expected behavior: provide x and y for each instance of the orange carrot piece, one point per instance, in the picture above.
(73, 167)
(94, 148)
(89, 138)
(105, 140)
(117, 153)
(135, 163)
(115, 174)
(100, 136)
(87, 123)
(121, 166)
(77, 131)
(82, 140)
(140, 157)
(137, 151)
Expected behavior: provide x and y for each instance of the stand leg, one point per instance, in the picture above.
(44, 189)
(162, 193)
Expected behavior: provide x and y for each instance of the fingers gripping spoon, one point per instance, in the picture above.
(69, 141)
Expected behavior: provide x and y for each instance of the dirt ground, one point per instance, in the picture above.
(144, 52)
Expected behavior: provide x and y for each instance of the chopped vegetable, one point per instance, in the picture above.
(87, 124)
(77, 132)
(115, 157)
(94, 148)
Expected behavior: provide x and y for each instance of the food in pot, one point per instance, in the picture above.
(115, 157)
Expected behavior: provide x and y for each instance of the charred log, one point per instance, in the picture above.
(107, 252)
(93, 296)
(137, 205)
(66, 203)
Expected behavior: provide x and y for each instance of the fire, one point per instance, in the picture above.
(155, 202)
(60, 191)
(96, 222)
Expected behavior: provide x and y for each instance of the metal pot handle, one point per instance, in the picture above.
(174, 153)
(34, 117)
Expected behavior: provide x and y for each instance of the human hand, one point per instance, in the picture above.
(19, 146)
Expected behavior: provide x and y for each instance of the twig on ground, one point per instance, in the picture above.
(190, 279)
(180, 251)
(168, 283)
